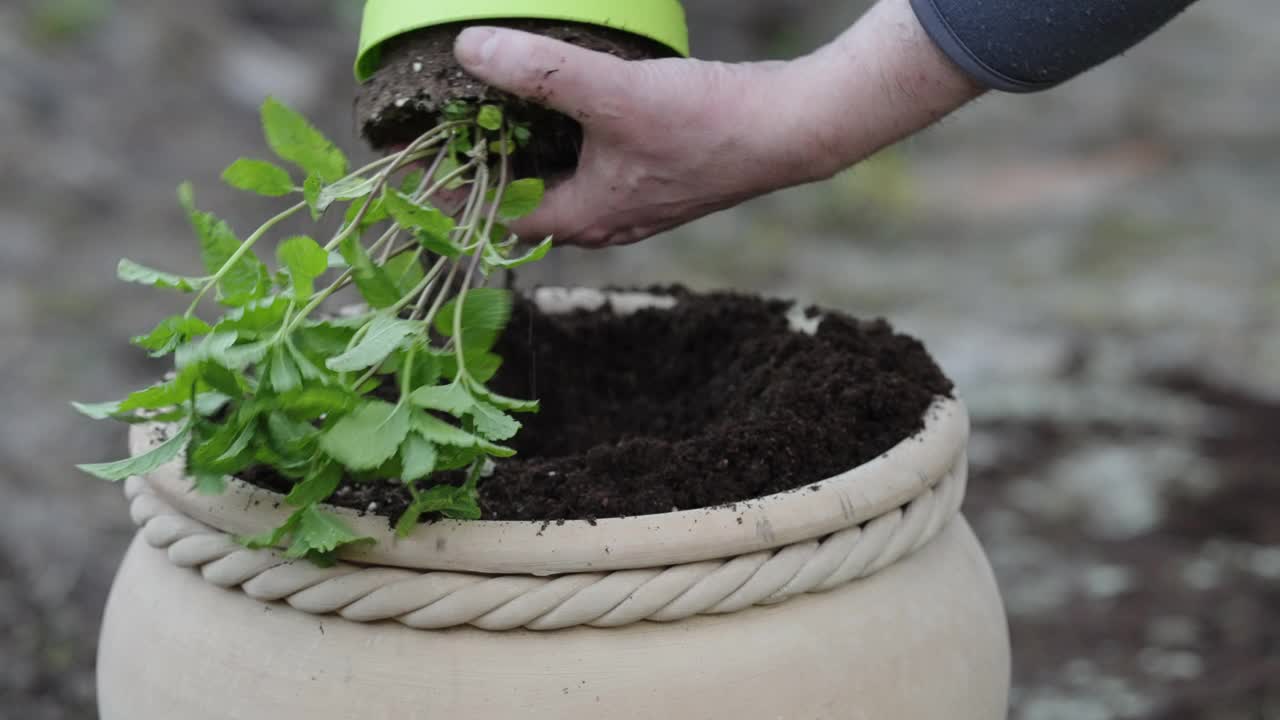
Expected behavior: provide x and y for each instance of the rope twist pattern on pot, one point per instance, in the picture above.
(434, 600)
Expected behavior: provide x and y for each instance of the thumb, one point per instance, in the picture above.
(557, 74)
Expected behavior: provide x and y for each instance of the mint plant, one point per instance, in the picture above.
(395, 391)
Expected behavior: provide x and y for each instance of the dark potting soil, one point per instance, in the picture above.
(419, 76)
(714, 402)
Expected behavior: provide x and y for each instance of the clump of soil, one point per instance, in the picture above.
(419, 76)
(714, 402)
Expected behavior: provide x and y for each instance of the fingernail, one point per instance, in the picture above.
(476, 46)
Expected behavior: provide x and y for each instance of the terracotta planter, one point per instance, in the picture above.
(863, 596)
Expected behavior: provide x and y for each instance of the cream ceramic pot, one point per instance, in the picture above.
(863, 596)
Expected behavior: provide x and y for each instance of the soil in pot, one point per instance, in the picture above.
(714, 402)
(420, 76)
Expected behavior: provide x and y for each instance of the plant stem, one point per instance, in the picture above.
(241, 252)
(482, 247)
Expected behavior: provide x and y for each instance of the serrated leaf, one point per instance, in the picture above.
(405, 271)
(256, 319)
(489, 117)
(311, 403)
(439, 246)
(376, 213)
(497, 259)
(309, 370)
(142, 464)
(131, 272)
(210, 403)
(225, 451)
(412, 182)
(416, 216)
(319, 534)
(419, 458)
(439, 432)
(260, 177)
(170, 333)
(372, 280)
(296, 140)
(485, 314)
(344, 190)
(369, 436)
(97, 411)
(305, 260)
(292, 438)
(385, 335)
(283, 374)
(454, 398)
(493, 424)
(481, 366)
(447, 169)
(317, 487)
(521, 198)
(177, 391)
(248, 279)
(221, 348)
(210, 485)
(453, 502)
(311, 189)
(324, 339)
(455, 458)
(503, 402)
(221, 379)
(272, 538)
(496, 450)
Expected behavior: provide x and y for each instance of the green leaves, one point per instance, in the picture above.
(485, 313)
(170, 333)
(296, 140)
(489, 118)
(305, 261)
(521, 198)
(247, 278)
(315, 534)
(132, 272)
(142, 464)
(496, 259)
(419, 459)
(317, 487)
(452, 502)
(454, 399)
(368, 437)
(258, 176)
(432, 223)
(489, 422)
(373, 281)
(385, 335)
(493, 424)
(381, 394)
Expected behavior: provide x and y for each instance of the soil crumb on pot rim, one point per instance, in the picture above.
(713, 402)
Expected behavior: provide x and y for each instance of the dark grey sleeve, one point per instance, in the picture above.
(1030, 45)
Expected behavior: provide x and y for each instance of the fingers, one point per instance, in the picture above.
(562, 76)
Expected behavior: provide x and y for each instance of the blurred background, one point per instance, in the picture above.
(1098, 268)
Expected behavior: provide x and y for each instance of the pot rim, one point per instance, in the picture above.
(911, 468)
(662, 21)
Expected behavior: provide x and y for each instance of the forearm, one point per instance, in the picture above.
(880, 82)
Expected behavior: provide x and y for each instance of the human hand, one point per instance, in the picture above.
(665, 141)
(669, 141)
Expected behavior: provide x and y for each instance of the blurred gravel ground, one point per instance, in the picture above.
(1097, 267)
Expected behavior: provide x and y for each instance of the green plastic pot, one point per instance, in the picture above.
(660, 20)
